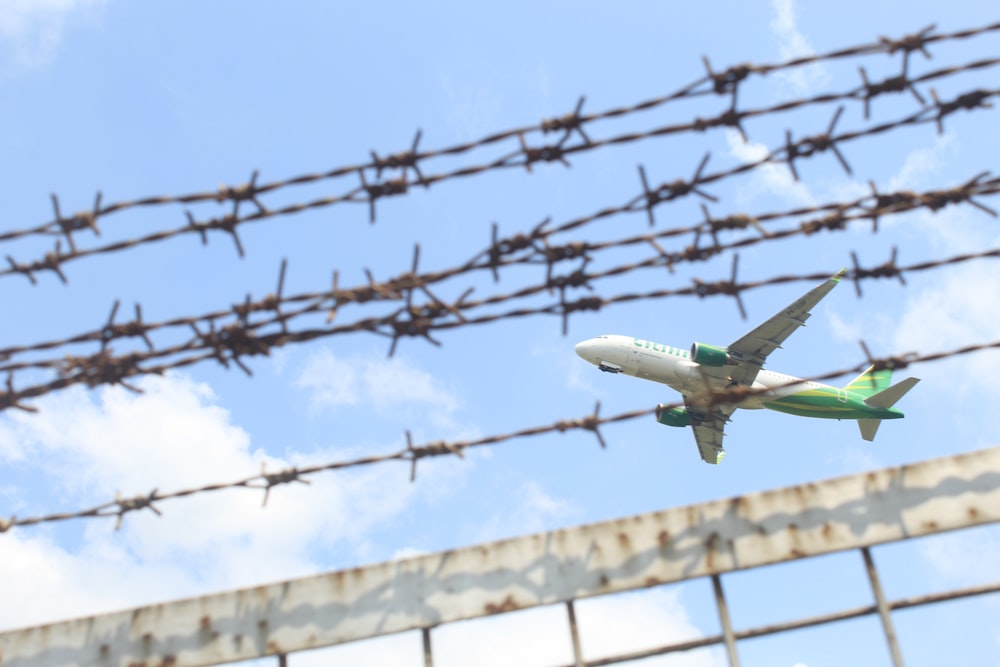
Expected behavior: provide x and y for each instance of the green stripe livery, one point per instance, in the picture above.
(870, 382)
(831, 403)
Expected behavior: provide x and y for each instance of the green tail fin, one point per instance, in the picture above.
(870, 382)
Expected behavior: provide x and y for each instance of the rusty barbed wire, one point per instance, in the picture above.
(412, 304)
(120, 506)
(666, 192)
(374, 186)
(239, 338)
(229, 335)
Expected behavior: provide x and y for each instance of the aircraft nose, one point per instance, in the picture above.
(585, 349)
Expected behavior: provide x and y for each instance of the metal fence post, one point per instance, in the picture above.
(883, 608)
(727, 625)
(428, 655)
(575, 635)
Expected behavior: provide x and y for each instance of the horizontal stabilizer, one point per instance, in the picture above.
(868, 428)
(888, 397)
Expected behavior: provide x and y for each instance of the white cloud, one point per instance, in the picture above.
(578, 377)
(922, 163)
(10, 449)
(770, 178)
(51, 582)
(174, 435)
(793, 44)
(377, 382)
(529, 509)
(471, 109)
(615, 624)
(745, 151)
(279, 357)
(958, 557)
(853, 457)
(332, 382)
(402, 650)
(842, 329)
(958, 309)
(407, 552)
(959, 306)
(964, 558)
(539, 636)
(558, 354)
(138, 441)
(32, 30)
(862, 322)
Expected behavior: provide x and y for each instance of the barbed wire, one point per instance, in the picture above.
(725, 84)
(712, 396)
(231, 335)
(409, 304)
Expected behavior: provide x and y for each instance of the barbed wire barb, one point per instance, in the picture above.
(568, 123)
(909, 43)
(126, 505)
(895, 84)
(23, 269)
(673, 190)
(246, 192)
(411, 454)
(273, 301)
(10, 397)
(885, 270)
(546, 153)
(976, 99)
(271, 480)
(386, 188)
(819, 143)
(404, 161)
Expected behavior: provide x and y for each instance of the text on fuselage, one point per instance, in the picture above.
(658, 347)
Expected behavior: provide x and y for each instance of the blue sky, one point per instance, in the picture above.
(135, 100)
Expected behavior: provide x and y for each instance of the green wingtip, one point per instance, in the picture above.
(840, 274)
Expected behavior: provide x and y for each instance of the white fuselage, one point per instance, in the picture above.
(673, 367)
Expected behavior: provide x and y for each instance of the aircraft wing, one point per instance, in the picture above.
(752, 350)
(709, 429)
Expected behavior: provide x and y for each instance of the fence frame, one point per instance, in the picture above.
(702, 540)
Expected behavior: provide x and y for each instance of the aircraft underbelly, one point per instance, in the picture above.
(685, 376)
(691, 381)
(655, 368)
(756, 402)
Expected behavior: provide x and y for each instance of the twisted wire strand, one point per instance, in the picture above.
(255, 327)
(723, 84)
(412, 453)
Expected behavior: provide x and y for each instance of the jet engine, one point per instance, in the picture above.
(709, 355)
(672, 416)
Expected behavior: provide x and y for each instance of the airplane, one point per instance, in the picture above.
(704, 368)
